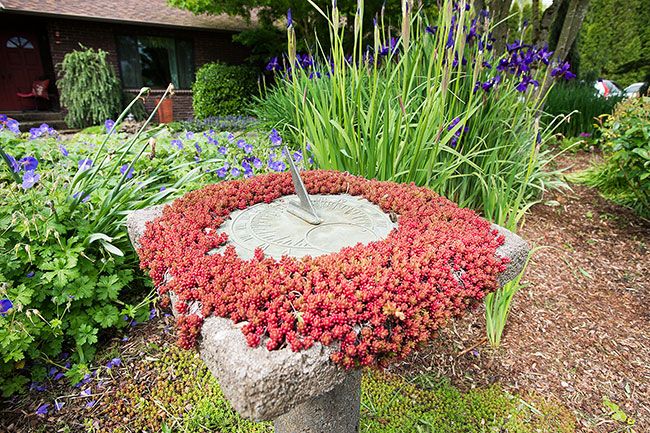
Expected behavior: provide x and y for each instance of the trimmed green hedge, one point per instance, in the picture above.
(221, 90)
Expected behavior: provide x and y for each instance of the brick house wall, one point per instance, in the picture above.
(65, 35)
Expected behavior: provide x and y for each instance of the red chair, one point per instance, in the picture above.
(39, 91)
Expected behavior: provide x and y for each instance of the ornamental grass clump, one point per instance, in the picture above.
(377, 301)
(432, 104)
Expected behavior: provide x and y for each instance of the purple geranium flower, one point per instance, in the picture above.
(177, 143)
(63, 150)
(257, 163)
(29, 163)
(276, 140)
(85, 164)
(58, 405)
(125, 169)
(5, 306)
(13, 126)
(29, 179)
(235, 172)
(248, 148)
(42, 409)
(90, 404)
(222, 172)
(109, 124)
(86, 392)
(115, 362)
(189, 135)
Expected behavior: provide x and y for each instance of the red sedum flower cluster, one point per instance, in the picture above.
(376, 302)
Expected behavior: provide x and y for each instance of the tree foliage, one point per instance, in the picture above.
(267, 39)
(615, 41)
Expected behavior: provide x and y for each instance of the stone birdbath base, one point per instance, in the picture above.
(301, 392)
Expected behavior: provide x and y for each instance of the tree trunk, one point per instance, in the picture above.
(535, 19)
(570, 28)
(499, 12)
(548, 18)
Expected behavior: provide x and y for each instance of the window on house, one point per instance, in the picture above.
(19, 42)
(154, 61)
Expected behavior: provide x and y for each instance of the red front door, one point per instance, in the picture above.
(20, 65)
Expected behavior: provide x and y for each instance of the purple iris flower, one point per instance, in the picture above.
(63, 150)
(198, 148)
(273, 65)
(177, 143)
(431, 30)
(525, 82)
(125, 169)
(85, 164)
(42, 409)
(29, 163)
(29, 179)
(30, 274)
(3, 118)
(5, 305)
(289, 18)
(109, 124)
(276, 140)
(562, 70)
(453, 123)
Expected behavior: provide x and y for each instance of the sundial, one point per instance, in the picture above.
(302, 224)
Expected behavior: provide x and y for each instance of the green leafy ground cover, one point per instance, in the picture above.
(158, 387)
(68, 273)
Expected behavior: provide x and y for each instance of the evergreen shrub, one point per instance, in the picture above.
(90, 91)
(221, 90)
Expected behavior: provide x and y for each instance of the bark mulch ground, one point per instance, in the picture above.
(579, 331)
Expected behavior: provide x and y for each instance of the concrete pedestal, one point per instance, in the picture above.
(336, 411)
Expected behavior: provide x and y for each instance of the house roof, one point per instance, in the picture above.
(151, 12)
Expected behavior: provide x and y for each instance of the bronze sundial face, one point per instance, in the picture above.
(345, 221)
(300, 225)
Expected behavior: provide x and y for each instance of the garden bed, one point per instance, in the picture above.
(578, 334)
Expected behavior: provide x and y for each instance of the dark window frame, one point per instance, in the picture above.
(175, 38)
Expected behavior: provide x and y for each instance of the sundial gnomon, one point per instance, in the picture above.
(302, 224)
